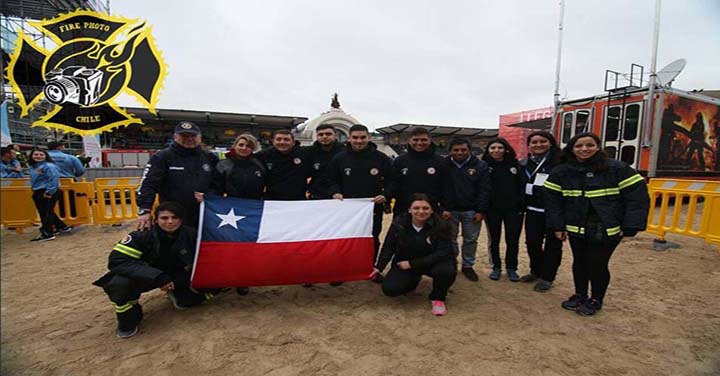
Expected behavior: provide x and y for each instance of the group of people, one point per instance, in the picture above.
(45, 168)
(577, 193)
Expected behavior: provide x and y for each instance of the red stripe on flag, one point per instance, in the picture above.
(225, 264)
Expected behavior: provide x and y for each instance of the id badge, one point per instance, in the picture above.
(540, 179)
(529, 189)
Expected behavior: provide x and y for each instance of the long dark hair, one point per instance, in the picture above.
(553, 154)
(599, 160)
(510, 154)
(31, 161)
(440, 227)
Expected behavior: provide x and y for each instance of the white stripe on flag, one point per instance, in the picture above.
(294, 221)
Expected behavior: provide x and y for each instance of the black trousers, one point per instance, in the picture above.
(544, 249)
(590, 265)
(124, 294)
(398, 281)
(513, 220)
(46, 209)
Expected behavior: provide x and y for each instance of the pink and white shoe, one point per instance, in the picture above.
(439, 308)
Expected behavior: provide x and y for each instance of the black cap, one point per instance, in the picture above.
(187, 127)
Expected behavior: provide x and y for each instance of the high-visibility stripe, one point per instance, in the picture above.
(132, 252)
(630, 181)
(581, 230)
(575, 229)
(125, 307)
(209, 296)
(602, 192)
(553, 186)
(613, 231)
(571, 193)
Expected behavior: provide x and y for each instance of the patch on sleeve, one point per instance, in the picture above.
(126, 240)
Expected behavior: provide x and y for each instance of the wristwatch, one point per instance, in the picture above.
(143, 212)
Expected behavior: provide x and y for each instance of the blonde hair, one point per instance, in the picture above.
(250, 139)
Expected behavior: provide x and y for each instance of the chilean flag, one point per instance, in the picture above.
(262, 243)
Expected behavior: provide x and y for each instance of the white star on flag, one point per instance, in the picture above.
(229, 219)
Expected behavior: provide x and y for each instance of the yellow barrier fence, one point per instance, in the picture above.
(18, 209)
(116, 200)
(685, 207)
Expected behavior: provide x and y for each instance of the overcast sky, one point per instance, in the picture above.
(459, 63)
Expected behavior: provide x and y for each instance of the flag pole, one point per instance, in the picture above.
(556, 95)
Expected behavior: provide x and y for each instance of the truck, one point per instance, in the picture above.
(678, 140)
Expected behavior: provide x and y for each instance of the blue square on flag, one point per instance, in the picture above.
(232, 220)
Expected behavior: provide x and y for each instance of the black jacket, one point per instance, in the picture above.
(508, 185)
(530, 172)
(575, 192)
(423, 249)
(319, 160)
(424, 172)
(468, 186)
(153, 257)
(287, 174)
(244, 178)
(175, 173)
(358, 174)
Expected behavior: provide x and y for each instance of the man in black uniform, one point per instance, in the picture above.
(177, 173)
(319, 155)
(361, 171)
(287, 166)
(418, 171)
(466, 195)
(161, 257)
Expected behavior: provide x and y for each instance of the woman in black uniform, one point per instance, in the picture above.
(418, 243)
(506, 206)
(594, 201)
(544, 261)
(240, 175)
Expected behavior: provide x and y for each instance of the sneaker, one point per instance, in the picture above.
(335, 284)
(469, 273)
(65, 229)
(126, 333)
(495, 274)
(574, 302)
(439, 308)
(242, 290)
(378, 278)
(43, 238)
(543, 286)
(174, 300)
(529, 278)
(513, 276)
(589, 308)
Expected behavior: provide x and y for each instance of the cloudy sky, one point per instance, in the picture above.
(460, 63)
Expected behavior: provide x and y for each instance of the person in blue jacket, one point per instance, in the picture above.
(69, 166)
(44, 180)
(10, 166)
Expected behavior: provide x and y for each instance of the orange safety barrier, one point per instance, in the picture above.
(685, 207)
(116, 200)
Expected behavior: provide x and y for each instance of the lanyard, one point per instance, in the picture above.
(529, 175)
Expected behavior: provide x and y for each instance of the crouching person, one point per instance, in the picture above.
(161, 257)
(418, 242)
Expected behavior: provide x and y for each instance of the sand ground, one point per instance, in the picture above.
(661, 317)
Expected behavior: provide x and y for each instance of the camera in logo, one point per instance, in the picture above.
(75, 84)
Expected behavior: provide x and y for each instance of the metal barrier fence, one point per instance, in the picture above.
(685, 207)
